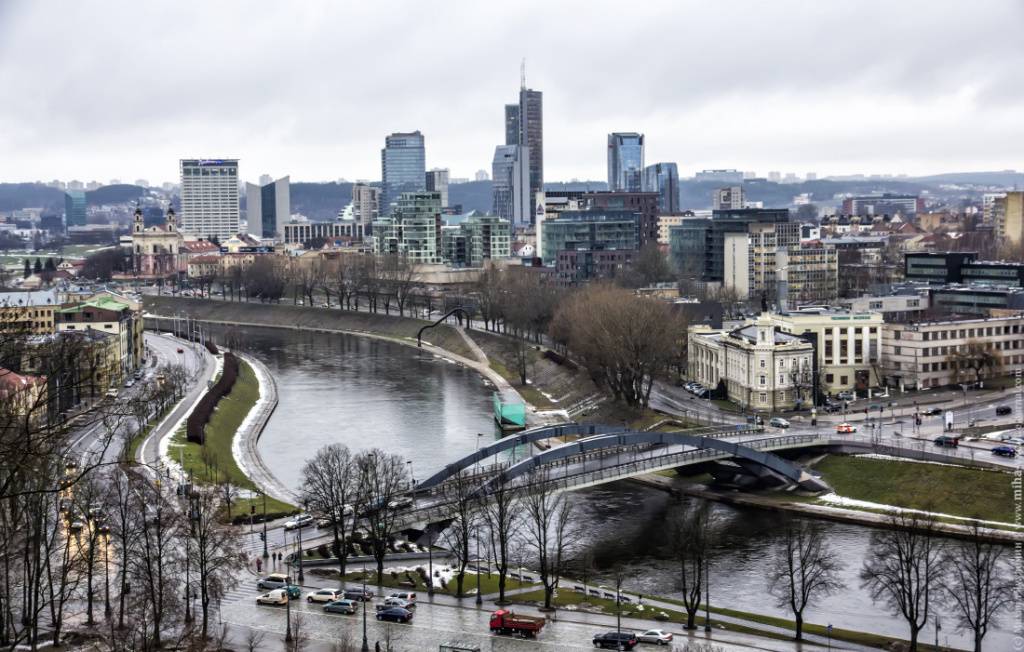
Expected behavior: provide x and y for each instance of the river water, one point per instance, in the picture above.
(372, 393)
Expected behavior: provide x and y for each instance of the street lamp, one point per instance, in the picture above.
(287, 611)
(707, 594)
(479, 598)
(366, 643)
(302, 577)
(106, 574)
(430, 563)
(265, 555)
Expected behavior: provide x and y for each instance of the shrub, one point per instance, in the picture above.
(560, 360)
(324, 550)
(211, 347)
(196, 423)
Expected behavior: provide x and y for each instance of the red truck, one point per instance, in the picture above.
(504, 621)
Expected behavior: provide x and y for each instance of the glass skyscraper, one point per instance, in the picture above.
(74, 208)
(531, 135)
(268, 208)
(663, 178)
(511, 196)
(403, 167)
(625, 162)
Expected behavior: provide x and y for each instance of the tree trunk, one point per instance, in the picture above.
(799, 626)
(914, 630)
(691, 618)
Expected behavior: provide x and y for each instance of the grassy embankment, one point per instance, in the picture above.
(413, 581)
(954, 490)
(402, 329)
(210, 463)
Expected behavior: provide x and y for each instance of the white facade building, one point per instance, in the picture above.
(268, 208)
(209, 197)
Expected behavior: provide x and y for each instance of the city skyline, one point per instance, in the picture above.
(878, 103)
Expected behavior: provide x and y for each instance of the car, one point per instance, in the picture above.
(408, 596)
(1015, 441)
(401, 503)
(616, 640)
(702, 393)
(1003, 410)
(277, 596)
(323, 595)
(129, 383)
(138, 374)
(832, 406)
(111, 393)
(395, 615)
(1005, 451)
(656, 636)
(946, 441)
(300, 521)
(274, 581)
(294, 591)
(778, 422)
(755, 420)
(390, 602)
(181, 350)
(341, 607)
(846, 429)
(846, 396)
(358, 595)
(932, 412)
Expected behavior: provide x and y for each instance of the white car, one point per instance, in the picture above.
(300, 521)
(656, 636)
(323, 595)
(277, 596)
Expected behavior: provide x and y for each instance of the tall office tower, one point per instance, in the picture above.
(512, 124)
(531, 137)
(625, 162)
(268, 207)
(265, 179)
(511, 187)
(727, 199)
(209, 197)
(437, 181)
(74, 208)
(481, 175)
(663, 178)
(403, 167)
(365, 205)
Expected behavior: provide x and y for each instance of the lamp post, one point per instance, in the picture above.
(188, 585)
(302, 577)
(707, 594)
(479, 598)
(265, 555)
(106, 574)
(430, 563)
(287, 615)
(366, 643)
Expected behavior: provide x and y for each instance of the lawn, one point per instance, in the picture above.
(488, 583)
(213, 461)
(954, 490)
(529, 393)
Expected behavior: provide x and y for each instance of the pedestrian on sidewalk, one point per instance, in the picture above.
(259, 565)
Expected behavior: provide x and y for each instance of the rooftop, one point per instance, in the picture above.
(27, 299)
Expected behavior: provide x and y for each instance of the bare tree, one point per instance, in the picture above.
(548, 531)
(976, 357)
(254, 639)
(462, 511)
(215, 548)
(398, 275)
(691, 539)
(383, 478)
(501, 514)
(903, 568)
(974, 584)
(805, 569)
(329, 487)
(156, 562)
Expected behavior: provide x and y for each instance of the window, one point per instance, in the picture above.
(829, 378)
(764, 397)
(875, 305)
(896, 350)
(764, 380)
(896, 335)
(782, 379)
(762, 363)
(843, 380)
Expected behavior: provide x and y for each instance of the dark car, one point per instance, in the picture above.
(1003, 410)
(358, 594)
(395, 615)
(612, 640)
(932, 412)
(1005, 451)
(832, 406)
(947, 442)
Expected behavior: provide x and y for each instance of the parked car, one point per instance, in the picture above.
(778, 422)
(946, 441)
(395, 615)
(130, 382)
(1015, 441)
(392, 603)
(613, 640)
(408, 596)
(702, 393)
(274, 581)
(846, 396)
(323, 595)
(932, 412)
(300, 521)
(341, 607)
(832, 406)
(656, 636)
(1005, 451)
(1003, 410)
(846, 429)
(181, 350)
(277, 596)
(358, 594)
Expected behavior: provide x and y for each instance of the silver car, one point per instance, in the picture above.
(656, 636)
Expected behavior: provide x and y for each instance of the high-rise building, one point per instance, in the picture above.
(663, 178)
(1008, 214)
(403, 167)
(625, 161)
(698, 245)
(209, 197)
(644, 204)
(74, 208)
(729, 198)
(265, 179)
(512, 124)
(511, 187)
(775, 176)
(531, 136)
(481, 175)
(590, 230)
(365, 205)
(437, 181)
(413, 229)
(268, 207)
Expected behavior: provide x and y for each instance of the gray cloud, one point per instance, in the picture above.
(102, 89)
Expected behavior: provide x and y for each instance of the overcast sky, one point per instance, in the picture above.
(95, 90)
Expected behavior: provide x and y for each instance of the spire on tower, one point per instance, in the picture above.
(522, 74)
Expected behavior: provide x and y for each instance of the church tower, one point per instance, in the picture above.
(172, 221)
(138, 224)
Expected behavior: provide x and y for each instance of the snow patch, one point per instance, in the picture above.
(853, 503)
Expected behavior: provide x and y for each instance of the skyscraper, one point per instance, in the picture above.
(209, 197)
(625, 161)
(365, 205)
(531, 137)
(403, 167)
(511, 184)
(512, 124)
(663, 178)
(74, 208)
(268, 207)
(437, 181)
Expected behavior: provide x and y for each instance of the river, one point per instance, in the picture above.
(371, 393)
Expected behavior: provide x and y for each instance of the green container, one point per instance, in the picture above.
(509, 415)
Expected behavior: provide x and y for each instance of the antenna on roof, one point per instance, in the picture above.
(522, 74)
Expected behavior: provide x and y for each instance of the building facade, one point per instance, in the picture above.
(209, 197)
(625, 162)
(413, 230)
(643, 203)
(762, 368)
(268, 208)
(475, 241)
(114, 316)
(437, 181)
(575, 267)
(301, 232)
(728, 198)
(365, 205)
(156, 250)
(591, 230)
(663, 178)
(698, 245)
(403, 167)
(74, 208)
(28, 312)
(1008, 217)
(531, 137)
(510, 189)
